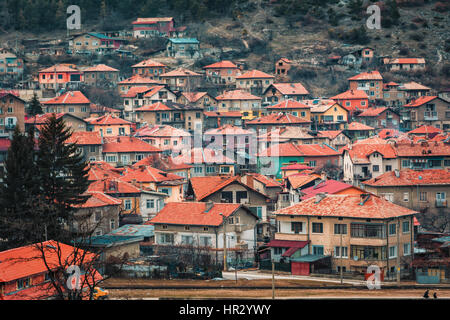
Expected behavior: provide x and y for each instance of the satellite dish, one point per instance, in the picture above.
(355, 258)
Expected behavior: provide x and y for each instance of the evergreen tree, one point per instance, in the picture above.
(35, 106)
(62, 175)
(18, 193)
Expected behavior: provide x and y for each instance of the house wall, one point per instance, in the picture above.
(373, 88)
(222, 75)
(11, 107)
(108, 219)
(92, 78)
(254, 85)
(77, 110)
(112, 130)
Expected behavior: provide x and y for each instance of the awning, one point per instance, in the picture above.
(309, 258)
(287, 244)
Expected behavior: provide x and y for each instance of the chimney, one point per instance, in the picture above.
(320, 196)
(209, 206)
(397, 173)
(250, 181)
(133, 182)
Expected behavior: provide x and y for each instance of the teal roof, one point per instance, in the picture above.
(101, 36)
(109, 240)
(442, 239)
(309, 258)
(139, 230)
(184, 40)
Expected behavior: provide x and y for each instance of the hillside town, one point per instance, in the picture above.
(193, 172)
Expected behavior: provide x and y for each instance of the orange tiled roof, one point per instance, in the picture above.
(154, 90)
(161, 162)
(161, 131)
(99, 199)
(225, 64)
(420, 101)
(413, 86)
(151, 20)
(330, 134)
(106, 120)
(289, 104)
(351, 94)
(217, 114)
(254, 74)
(100, 68)
(300, 179)
(348, 205)
(372, 112)
(148, 63)
(59, 68)
(425, 130)
(410, 177)
(268, 182)
(137, 79)
(158, 106)
(278, 119)
(71, 97)
(423, 149)
(203, 155)
(356, 126)
(229, 129)
(299, 150)
(237, 95)
(388, 133)
(359, 153)
(180, 72)
(133, 91)
(113, 186)
(84, 138)
(291, 88)
(100, 172)
(194, 213)
(371, 75)
(404, 60)
(194, 96)
(148, 174)
(126, 144)
(42, 118)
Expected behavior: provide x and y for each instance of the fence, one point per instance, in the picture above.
(278, 266)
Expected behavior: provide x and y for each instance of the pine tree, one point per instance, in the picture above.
(63, 176)
(18, 193)
(35, 106)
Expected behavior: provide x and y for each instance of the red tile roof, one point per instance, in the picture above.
(229, 129)
(330, 134)
(84, 138)
(404, 60)
(289, 104)
(237, 95)
(371, 75)
(372, 112)
(359, 153)
(99, 199)
(113, 186)
(420, 101)
(278, 119)
(298, 180)
(161, 162)
(254, 74)
(291, 88)
(193, 96)
(328, 186)
(410, 177)
(148, 63)
(218, 114)
(59, 68)
(425, 130)
(193, 213)
(357, 126)
(351, 94)
(423, 149)
(296, 166)
(126, 144)
(153, 91)
(180, 72)
(26, 261)
(161, 131)
(158, 106)
(299, 150)
(203, 155)
(225, 64)
(137, 79)
(100, 68)
(388, 133)
(100, 172)
(133, 91)
(266, 181)
(148, 174)
(351, 206)
(71, 97)
(107, 120)
(413, 86)
(42, 118)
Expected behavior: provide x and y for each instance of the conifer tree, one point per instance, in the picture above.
(35, 106)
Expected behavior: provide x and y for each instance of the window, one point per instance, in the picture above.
(317, 227)
(23, 283)
(447, 163)
(205, 241)
(338, 251)
(98, 216)
(111, 158)
(93, 148)
(278, 251)
(187, 240)
(406, 249)
(166, 238)
(150, 203)
(224, 169)
(406, 163)
(405, 227)
(340, 229)
(210, 169)
(318, 250)
(422, 196)
(393, 252)
(388, 168)
(360, 230)
(198, 169)
(297, 227)
(187, 228)
(109, 131)
(312, 163)
(375, 168)
(127, 204)
(392, 229)
(112, 223)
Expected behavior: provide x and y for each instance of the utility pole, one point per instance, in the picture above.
(340, 253)
(273, 280)
(225, 268)
(398, 250)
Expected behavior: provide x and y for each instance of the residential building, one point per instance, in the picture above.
(239, 100)
(149, 68)
(282, 67)
(326, 114)
(187, 48)
(357, 58)
(425, 191)
(165, 137)
(101, 75)
(423, 155)
(109, 126)
(278, 92)
(358, 131)
(59, 76)
(11, 67)
(199, 99)
(72, 102)
(223, 72)
(254, 81)
(156, 27)
(330, 186)
(370, 82)
(292, 107)
(73, 122)
(276, 121)
(379, 118)
(181, 79)
(124, 150)
(404, 64)
(215, 119)
(93, 42)
(135, 81)
(90, 144)
(334, 138)
(353, 230)
(426, 110)
(352, 100)
(12, 114)
(167, 164)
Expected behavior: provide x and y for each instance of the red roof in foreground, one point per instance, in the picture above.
(425, 130)
(348, 205)
(222, 64)
(410, 177)
(194, 213)
(254, 74)
(127, 144)
(84, 138)
(328, 186)
(108, 119)
(289, 104)
(71, 97)
(420, 101)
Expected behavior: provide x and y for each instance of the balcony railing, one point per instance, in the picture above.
(430, 115)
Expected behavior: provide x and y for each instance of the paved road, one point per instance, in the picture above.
(251, 275)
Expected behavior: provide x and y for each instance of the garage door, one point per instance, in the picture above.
(300, 268)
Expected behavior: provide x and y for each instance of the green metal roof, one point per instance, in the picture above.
(442, 239)
(184, 40)
(309, 258)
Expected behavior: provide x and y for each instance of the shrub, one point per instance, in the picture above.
(416, 36)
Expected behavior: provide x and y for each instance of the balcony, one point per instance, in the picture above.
(362, 176)
(441, 203)
(430, 115)
(406, 117)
